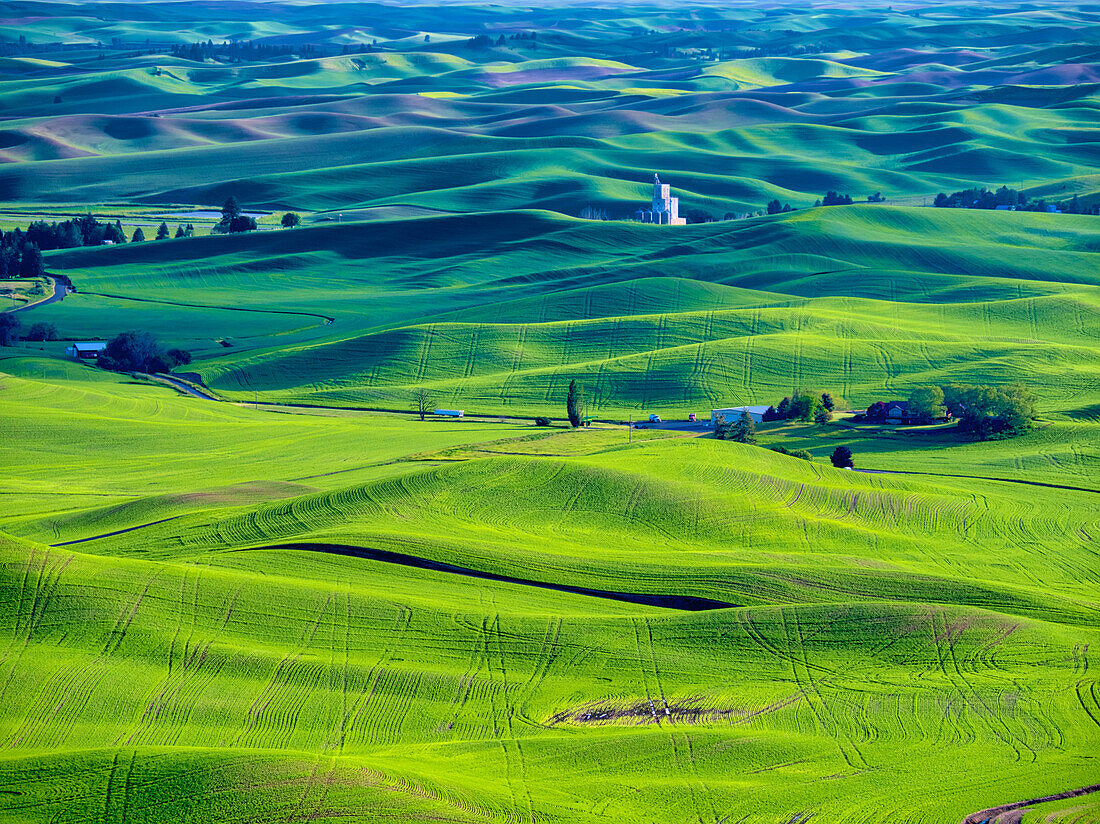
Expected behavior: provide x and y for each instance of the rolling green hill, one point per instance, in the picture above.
(498, 312)
(294, 600)
(892, 628)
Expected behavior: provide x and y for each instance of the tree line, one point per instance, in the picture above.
(982, 411)
(244, 51)
(982, 198)
(21, 249)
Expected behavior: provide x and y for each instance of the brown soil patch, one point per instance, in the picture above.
(1006, 813)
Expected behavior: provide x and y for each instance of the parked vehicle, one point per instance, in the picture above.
(654, 418)
(691, 418)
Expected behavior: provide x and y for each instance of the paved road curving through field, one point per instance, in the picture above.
(690, 603)
(60, 289)
(186, 388)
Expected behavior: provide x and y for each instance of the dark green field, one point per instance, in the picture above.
(292, 600)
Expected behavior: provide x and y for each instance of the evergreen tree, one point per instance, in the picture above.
(162, 231)
(822, 415)
(9, 262)
(69, 236)
(827, 401)
(31, 266)
(114, 232)
(841, 457)
(9, 328)
(179, 232)
(138, 236)
(744, 431)
(230, 210)
(574, 399)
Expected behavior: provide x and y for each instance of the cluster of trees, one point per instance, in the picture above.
(10, 326)
(982, 411)
(743, 430)
(139, 352)
(802, 454)
(831, 198)
(982, 198)
(21, 249)
(233, 219)
(9, 329)
(591, 212)
(241, 51)
(834, 199)
(484, 41)
(362, 48)
(68, 234)
(19, 259)
(803, 406)
(990, 411)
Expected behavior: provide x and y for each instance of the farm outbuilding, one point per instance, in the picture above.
(733, 413)
(86, 350)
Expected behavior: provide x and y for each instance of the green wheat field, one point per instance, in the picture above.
(270, 592)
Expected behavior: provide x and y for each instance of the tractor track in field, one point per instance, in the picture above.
(690, 603)
(992, 814)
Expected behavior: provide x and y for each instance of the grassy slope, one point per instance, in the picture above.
(496, 313)
(911, 647)
(900, 628)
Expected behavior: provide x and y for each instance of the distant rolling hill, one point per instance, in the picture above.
(498, 312)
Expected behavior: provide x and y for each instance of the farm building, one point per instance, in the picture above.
(897, 411)
(664, 208)
(86, 350)
(734, 412)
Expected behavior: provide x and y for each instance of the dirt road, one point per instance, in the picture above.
(993, 814)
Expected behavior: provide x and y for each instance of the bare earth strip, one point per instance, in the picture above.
(993, 813)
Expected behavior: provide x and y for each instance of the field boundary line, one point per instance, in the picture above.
(990, 814)
(978, 478)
